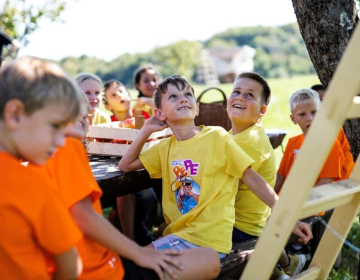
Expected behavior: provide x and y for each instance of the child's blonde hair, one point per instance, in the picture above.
(302, 96)
(38, 83)
(87, 76)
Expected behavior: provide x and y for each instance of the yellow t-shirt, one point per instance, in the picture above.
(250, 212)
(200, 180)
(100, 117)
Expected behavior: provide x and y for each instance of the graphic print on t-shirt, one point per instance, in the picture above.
(186, 190)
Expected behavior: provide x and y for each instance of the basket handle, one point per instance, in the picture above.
(210, 88)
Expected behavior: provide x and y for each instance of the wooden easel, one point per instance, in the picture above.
(298, 197)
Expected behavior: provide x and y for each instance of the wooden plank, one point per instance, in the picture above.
(326, 125)
(309, 274)
(112, 149)
(329, 196)
(127, 134)
(341, 221)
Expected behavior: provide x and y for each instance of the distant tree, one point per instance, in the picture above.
(20, 18)
(326, 27)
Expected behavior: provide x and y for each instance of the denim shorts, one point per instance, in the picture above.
(174, 242)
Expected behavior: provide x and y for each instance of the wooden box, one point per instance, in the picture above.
(108, 140)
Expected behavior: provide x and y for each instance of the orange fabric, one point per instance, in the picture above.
(332, 166)
(33, 222)
(348, 161)
(73, 176)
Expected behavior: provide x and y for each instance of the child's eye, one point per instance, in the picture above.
(56, 126)
(188, 94)
(97, 93)
(172, 96)
(236, 92)
(250, 94)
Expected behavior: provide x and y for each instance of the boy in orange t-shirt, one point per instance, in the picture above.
(304, 104)
(37, 100)
(348, 161)
(102, 242)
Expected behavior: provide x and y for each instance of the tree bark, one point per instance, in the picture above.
(326, 27)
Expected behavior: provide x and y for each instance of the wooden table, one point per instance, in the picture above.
(115, 183)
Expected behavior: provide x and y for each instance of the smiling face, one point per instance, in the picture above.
(148, 82)
(303, 115)
(37, 137)
(177, 105)
(244, 106)
(92, 90)
(118, 98)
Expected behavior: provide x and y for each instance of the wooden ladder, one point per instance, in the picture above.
(298, 197)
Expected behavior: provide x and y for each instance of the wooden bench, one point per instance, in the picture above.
(233, 264)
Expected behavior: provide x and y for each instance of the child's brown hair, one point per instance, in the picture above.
(38, 83)
(173, 80)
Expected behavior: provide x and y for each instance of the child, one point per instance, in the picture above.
(133, 223)
(146, 78)
(348, 165)
(117, 100)
(91, 85)
(246, 105)
(102, 242)
(37, 100)
(304, 104)
(206, 156)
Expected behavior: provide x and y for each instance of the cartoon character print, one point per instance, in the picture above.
(186, 190)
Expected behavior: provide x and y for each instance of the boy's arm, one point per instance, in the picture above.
(130, 161)
(324, 181)
(259, 187)
(68, 265)
(280, 179)
(267, 195)
(100, 230)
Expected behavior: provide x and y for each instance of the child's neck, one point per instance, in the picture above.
(183, 133)
(122, 116)
(238, 128)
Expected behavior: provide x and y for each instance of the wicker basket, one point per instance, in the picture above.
(213, 114)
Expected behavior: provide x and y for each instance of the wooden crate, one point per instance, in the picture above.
(113, 141)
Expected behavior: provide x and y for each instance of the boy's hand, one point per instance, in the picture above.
(154, 124)
(159, 261)
(303, 230)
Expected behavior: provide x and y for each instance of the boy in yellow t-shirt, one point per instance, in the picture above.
(246, 105)
(200, 168)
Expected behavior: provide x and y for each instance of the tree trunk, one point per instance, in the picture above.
(326, 27)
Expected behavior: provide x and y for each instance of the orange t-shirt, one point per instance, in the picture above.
(332, 166)
(348, 161)
(33, 222)
(73, 176)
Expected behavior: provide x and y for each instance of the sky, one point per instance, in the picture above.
(108, 28)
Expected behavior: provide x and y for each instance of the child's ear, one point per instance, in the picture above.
(292, 119)
(262, 111)
(13, 112)
(197, 109)
(159, 115)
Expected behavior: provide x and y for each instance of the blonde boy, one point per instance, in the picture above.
(304, 104)
(204, 160)
(37, 100)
